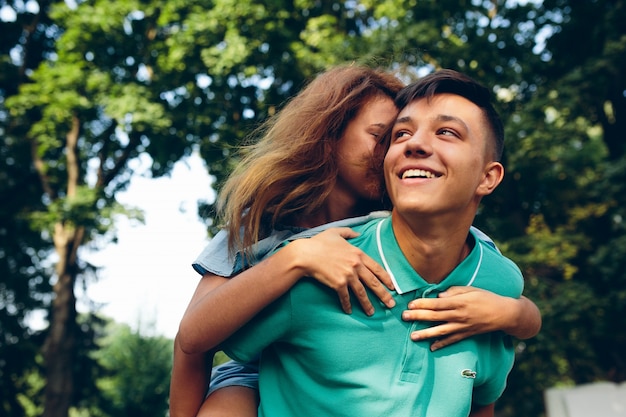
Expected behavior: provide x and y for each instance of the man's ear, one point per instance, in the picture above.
(492, 177)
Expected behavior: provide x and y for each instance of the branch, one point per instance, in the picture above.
(29, 30)
(40, 167)
(102, 155)
(135, 139)
(73, 172)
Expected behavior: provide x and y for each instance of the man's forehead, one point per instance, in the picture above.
(460, 108)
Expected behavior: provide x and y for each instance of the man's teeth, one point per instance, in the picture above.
(417, 173)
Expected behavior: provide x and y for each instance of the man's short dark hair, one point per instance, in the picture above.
(454, 82)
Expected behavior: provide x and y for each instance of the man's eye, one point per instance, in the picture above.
(400, 134)
(447, 132)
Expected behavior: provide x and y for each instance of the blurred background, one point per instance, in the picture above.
(118, 121)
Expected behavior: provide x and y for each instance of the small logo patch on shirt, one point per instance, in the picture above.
(468, 373)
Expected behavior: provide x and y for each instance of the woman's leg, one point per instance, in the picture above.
(231, 401)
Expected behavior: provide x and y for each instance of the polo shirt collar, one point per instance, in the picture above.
(404, 277)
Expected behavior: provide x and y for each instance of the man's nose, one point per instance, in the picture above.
(420, 144)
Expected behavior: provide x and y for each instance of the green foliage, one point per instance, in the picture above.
(33, 385)
(559, 210)
(24, 284)
(137, 374)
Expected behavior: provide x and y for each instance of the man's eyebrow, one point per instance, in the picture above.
(404, 119)
(440, 118)
(448, 118)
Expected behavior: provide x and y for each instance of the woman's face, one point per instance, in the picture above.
(355, 179)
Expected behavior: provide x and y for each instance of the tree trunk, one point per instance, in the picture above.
(60, 346)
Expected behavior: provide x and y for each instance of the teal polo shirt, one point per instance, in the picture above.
(318, 361)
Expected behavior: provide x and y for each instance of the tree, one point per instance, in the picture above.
(24, 286)
(138, 368)
(101, 83)
(130, 78)
(557, 68)
(573, 249)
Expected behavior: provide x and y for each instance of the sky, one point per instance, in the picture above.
(146, 278)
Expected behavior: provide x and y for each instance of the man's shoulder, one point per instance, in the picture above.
(499, 273)
(498, 260)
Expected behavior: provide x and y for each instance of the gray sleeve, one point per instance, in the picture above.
(216, 258)
(483, 236)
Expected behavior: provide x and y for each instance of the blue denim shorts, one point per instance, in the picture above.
(236, 374)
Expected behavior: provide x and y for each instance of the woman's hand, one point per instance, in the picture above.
(334, 262)
(466, 311)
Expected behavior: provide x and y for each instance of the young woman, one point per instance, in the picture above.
(311, 167)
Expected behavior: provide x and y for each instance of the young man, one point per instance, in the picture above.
(442, 158)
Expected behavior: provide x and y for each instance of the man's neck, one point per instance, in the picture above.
(432, 247)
